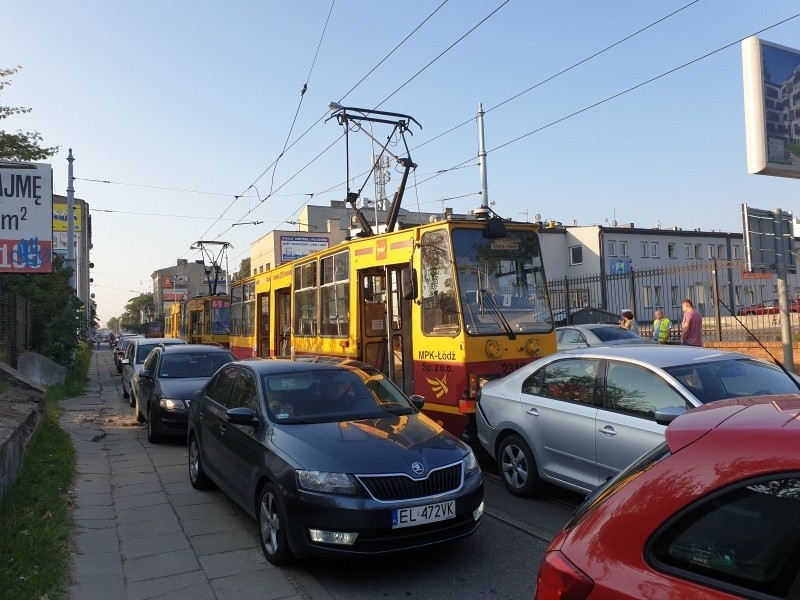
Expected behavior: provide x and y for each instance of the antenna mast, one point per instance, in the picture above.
(483, 211)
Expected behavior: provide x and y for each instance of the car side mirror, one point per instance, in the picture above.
(145, 374)
(418, 401)
(666, 415)
(242, 416)
(125, 361)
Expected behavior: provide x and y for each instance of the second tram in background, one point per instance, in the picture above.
(437, 308)
(201, 320)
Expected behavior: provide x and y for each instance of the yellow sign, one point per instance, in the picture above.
(60, 217)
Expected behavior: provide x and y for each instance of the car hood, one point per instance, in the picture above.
(181, 388)
(386, 445)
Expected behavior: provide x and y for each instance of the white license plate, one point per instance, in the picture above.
(419, 515)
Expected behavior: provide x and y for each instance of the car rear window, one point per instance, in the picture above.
(201, 364)
(611, 334)
(747, 536)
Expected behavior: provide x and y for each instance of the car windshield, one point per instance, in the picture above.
(195, 364)
(331, 395)
(142, 351)
(733, 378)
(610, 334)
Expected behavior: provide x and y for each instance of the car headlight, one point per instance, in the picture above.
(329, 483)
(471, 467)
(170, 404)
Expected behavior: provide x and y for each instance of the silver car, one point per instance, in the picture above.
(578, 417)
(571, 337)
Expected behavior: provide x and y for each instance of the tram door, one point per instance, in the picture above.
(401, 353)
(262, 307)
(374, 332)
(283, 319)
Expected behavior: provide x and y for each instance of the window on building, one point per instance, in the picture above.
(654, 249)
(623, 248)
(647, 299)
(671, 251)
(688, 251)
(721, 251)
(643, 246)
(576, 255)
(658, 295)
(698, 251)
(735, 252)
(738, 294)
(711, 251)
(612, 248)
(675, 296)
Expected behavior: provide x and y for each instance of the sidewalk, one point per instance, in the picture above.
(142, 531)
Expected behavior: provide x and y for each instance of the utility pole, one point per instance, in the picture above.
(71, 222)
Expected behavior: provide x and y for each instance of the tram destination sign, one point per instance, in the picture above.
(26, 217)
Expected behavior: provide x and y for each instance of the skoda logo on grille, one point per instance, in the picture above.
(417, 468)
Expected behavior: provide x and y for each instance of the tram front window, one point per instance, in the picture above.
(501, 283)
(221, 320)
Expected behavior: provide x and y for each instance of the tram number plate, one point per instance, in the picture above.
(419, 515)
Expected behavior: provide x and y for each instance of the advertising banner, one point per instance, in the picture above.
(26, 218)
(60, 217)
(296, 246)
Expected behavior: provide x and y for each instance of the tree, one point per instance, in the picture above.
(131, 319)
(23, 145)
(244, 270)
(55, 311)
(113, 324)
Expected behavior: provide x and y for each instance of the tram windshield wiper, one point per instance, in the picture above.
(496, 312)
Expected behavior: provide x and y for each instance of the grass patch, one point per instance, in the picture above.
(4, 385)
(35, 518)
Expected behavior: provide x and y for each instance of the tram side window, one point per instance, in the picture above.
(305, 299)
(335, 294)
(236, 309)
(439, 303)
(249, 308)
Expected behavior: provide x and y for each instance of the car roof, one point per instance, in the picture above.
(148, 340)
(266, 366)
(756, 413)
(192, 348)
(660, 355)
(589, 326)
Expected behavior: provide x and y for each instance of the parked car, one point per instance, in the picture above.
(768, 307)
(583, 336)
(713, 512)
(578, 417)
(331, 459)
(120, 348)
(171, 376)
(137, 351)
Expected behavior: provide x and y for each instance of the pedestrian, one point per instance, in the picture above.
(661, 327)
(691, 326)
(628, 322)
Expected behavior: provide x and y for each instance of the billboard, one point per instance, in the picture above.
(766, 233)
(60, 217)
(297, 246)
(771, 108)
(26, 218)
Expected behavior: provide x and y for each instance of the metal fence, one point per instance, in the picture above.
(719, 289)
(15, 327)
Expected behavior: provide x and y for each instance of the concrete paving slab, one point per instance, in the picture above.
(191, 498)
(137, 489)
(156, 544)
(212, 543)
(167, 524)
(167, 586)
(253, 586)
(134, 479)
(95, 541)
(143, 513)
(90, 499)
(225, 564)
(193, 527)
(141, 500)
(93, 512)
(160, 565)
(99, 587)
(106, 563)
(175, 476)
(207, 511)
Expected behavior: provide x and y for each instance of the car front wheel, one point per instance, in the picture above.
(518, 467)
(197, 476)
(153, 436)
(272, 524)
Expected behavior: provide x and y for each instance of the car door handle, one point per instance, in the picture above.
(607, 430)
(533, 412)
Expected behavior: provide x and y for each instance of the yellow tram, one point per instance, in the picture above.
(201, 320)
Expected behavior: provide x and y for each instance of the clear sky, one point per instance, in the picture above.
(199, 97)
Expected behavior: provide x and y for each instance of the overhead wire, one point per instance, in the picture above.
(614, 96)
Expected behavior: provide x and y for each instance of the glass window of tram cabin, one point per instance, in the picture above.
(501, 282)
(439, 306)
(249, 308)
(237, 292)
(220, 316)
(335, 294)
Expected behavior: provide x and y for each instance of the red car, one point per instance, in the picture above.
(768, 307)
(711, 513)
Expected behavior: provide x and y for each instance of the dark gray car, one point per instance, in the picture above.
(331, 460)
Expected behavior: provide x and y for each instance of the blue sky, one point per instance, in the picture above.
(200, 96)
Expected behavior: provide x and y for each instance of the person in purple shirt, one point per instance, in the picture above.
(691, 326)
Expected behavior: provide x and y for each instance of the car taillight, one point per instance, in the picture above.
(559, 579)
